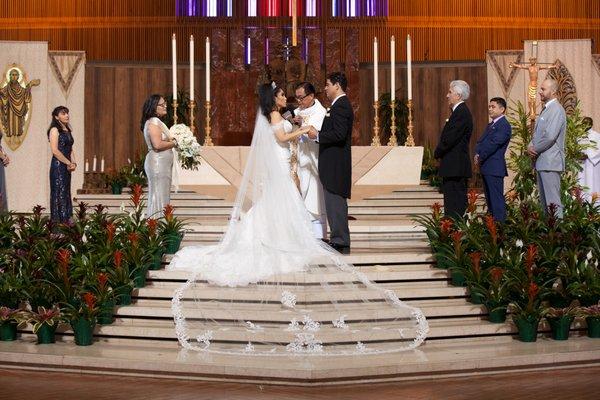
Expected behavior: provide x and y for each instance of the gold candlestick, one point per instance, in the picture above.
(376, 141)
(192, 123)
(393, 141)
(175, 111)
(207, 139)
(410, 140)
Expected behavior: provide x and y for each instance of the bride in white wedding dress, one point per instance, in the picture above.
(269, 287)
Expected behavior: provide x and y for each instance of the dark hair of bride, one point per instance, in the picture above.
(266, 98)
(55, 123)
(149, 109)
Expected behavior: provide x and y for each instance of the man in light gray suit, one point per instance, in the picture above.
(547, 148)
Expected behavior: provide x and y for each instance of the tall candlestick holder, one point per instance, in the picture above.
(192, 108)
(207, 139)
(175, 105)
(376, 141)
(393, 141)
(410, 140)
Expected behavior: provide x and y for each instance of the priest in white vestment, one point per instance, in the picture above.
(310, 112)
(589, 177)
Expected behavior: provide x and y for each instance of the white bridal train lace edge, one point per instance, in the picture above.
(270, 288)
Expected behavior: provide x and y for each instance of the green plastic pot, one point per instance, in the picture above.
(83, 330)
(8, 331)
(46, 334)
(560, 327)
(527, 328)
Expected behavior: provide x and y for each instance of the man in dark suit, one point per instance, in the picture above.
(453, 151)
(335, 159)
(489, 156)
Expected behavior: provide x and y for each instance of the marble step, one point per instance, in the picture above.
(376, 256)
(319, 312)
(381, 227)
(375, 273)
(180, 196)
(365, 243)
(465, 357)
(186, 211)
(438, 329)
(304, 294)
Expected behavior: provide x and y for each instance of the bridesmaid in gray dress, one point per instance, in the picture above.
(159, 160)
(4, 161)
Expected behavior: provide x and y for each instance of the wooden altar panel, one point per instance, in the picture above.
(115, 94)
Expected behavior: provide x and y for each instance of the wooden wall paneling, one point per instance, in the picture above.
(124, 122)
(90, 112)
(106, 116)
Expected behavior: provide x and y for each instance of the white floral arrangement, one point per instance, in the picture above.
(188, 148)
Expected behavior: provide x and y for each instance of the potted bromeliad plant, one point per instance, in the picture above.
(82, 315)
(116, 179)
(526, 296)
(105, 297)
(120, 278)
(45, 321)
(560, 320)
(152, 242)
(11, 290)
(171, 230)
(592, 318)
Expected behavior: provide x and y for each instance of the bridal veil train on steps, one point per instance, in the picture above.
(270, 288)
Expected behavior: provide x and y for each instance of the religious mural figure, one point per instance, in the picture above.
(15, 106)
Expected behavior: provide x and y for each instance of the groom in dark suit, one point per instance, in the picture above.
(335, 159)
(490, 156)
(453, 151)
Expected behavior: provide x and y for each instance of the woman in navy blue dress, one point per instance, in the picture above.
(61, 166)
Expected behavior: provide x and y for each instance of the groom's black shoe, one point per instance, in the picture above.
(341, 248)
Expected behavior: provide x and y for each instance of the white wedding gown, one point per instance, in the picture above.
(269, 287)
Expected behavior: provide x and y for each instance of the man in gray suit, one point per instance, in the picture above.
(547, 148)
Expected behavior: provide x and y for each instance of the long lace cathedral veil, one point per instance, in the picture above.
(270, 288)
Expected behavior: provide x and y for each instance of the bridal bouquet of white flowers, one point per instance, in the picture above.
(188, 148)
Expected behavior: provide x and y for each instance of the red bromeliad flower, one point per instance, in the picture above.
(491, 226)
(136, 194)
(472, 197)
(118, 258)
(496, 273)
(476, 262)
(456, 237)
(530, 257)
(63, 256)
(168, 212)
(89, 300)
(102, 280)
(110, 231)
(533, 290)
(133, 238)
(152, 225)
(446, 226)
(436, 209)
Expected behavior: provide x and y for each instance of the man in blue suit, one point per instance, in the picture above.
(489, 156)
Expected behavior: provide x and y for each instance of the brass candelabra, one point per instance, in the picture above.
(410, 140)
(393, 141)
(376, 141)
(207, 138)
(175, 104)
(192, 108)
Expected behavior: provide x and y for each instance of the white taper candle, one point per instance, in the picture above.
(207, 69)
(191, 67)
(375, 71)
(174, 65)
(393, 67)
(409, 66)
